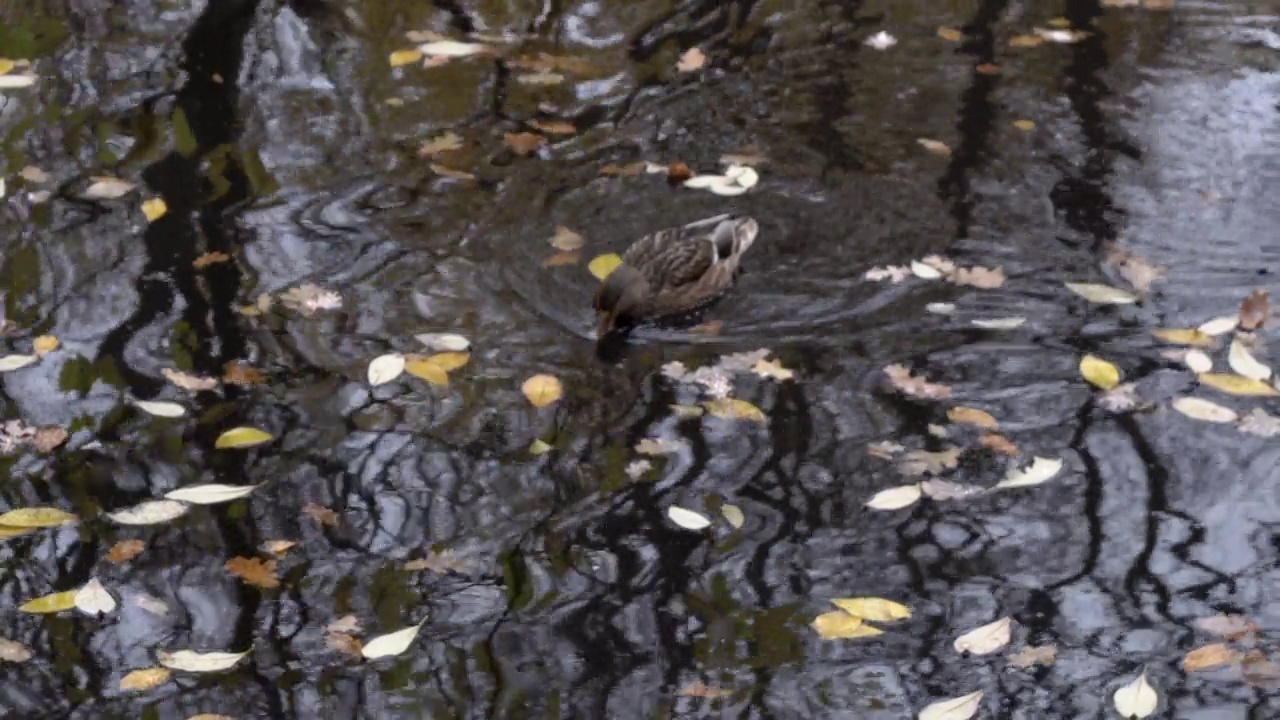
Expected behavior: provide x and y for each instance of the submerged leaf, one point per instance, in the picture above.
(937, 147)
(1185, 336)
(1255, 310)
(146, 679)
(1102, 294)
(385, 368)
(161, 408)
(94, 599)
(1033, 655)
(1209, 656)
(105, 187)
(692, 59)
(15, 362)
(125, 550)
(1219, 325)
(733, 514)
(902, 379)
(973, 416)
(734, 409)
(154, 208)
(444, 342)
(427, 370)
(1197, 361)
(255, 571)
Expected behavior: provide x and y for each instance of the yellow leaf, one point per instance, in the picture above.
(45, 344)
(1185, 336)
(6, 65)
(154, 209)
(427, 370)
(837, 625)
(950, 34)
(241, 437)
(56, 602)
(603, 265)
(7, 531)
(539, 447)
(36, 517)
(449, 361)
(1024, 125)
(873, 608)
(145, 679)
(734, 409)
(542, 390)
(404, 57)
(1226, 382)
(1100, 373)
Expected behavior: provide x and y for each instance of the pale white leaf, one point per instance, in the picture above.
(1008, 323)
(13, 362)
(895, 498)
(1197, 361)
(451, 48)
(150, 604)
(1198, 409)
(986, 639)
(108, 188)
(687, 519)
(161, 408)
(1244, 363)
(199, 662)
(14, 82)
(1219, 325)
(728, 188)
(1040, 470)
(1103, 294)
(925, 272)
(961, 708)
(210, 494)
(733, 514)
(444, 342)
(392, 643)
(1136, 699)
(150, 512)
(881, 41)
(744, 175)
(941, 308)
(385, 368)
(94, 599)
(699, 182)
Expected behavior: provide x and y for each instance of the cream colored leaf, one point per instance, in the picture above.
(701, 182)
(1007, 323)
(986, 639)
(1236, 384)
(45, 344)
(145, 679)
(961, 708)
(873, 608)
(566, 239)
(154, 208)
(385, 368)
(1197, 362)
(734, 409)
(1136, 699)
(94, 599)
(1099, 373)
(14, 652)
(1243, 362)
(772, 369)
(15, 362)
(210, 494)
(1198, 409)
(444, 342)
(1219, 325)
(150, 512)
(451, 48)
(542, 390)
(1031, 656)
(602, 266)
(925, 272)
(15, 82)
(392, 643)
(687, 519)
(936, 147)
(692, 59)
(51, 603)
(187, 381)
(733, 514)
(895, 498)
(108, 188)
(161, 408)
(1102, 294)
(728, 188)
(36, 517)
(1039, 471)
(198, 662)
(241, 437)
(839, 625)
(743, 176)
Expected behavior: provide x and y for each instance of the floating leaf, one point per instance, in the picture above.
(692, 59)
(973, 416)
(603, 265)
(45, 344)
(873, 608)
(254, 571)
(404, 57)
(986, 639)
(539, 447)
(150, 512)
(961, 708)
(210, 494)
(1025, 125)
(52, 603)
(1033, 655)
(734, 409)
(187, 381)
(903, 380)
(1102, 294)
(241, 437)
(1255, 310)
(161, 408)
(94, 599)
(8, 533)
(1219, 325)
(733, 514)
(1137, 699)
(36, 517)
(277, 547)
(950, 34)
(542, 390)
(198, 662)
(385, 368)
(1185, 336)
(154, 208)
(881, 41)
(1209, 656)
(427, 370)
(1197, 361)
(108, 188)
(839, 625)
(660, 446)
(444, 342)
(1198, 409)
(566, 239)
(1231, 627)
(125, 550)
(1244, 363)
(979, 277)
(452, 48)
(14, 82)
(1039, 471)
(687, 519)
(937, 147)
(925, 272)
(391, 643)
(947, 490)
(14, 362)
(14, 652)
(146, 679)
(1008, 323)
(1236, 384)
(895, 498)
(441, 144)
(524, 143)
(33, 174)
(1099, 373)
(772, 369)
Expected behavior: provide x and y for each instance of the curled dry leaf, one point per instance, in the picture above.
(961, 708)
(895, 498)
(1032, 655)
(1244, 363)
(1255, 310)
(1198, 409)
(125, 550)
(692, 59)
(1236, 384)
(542, 390)
(902, 379)
(1206, 657)
(678, 172)
(688, 519)
(986, 639)
(1099, 373)
(145, 679)
(1136, 699)
(973, 416)
(524, 143)
(428, 370)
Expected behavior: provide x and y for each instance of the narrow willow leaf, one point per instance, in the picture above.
(961, 708)
(602, 266)
(1099, 373)
(873, 608)
(1198, 409)
(542, 390)
(895, 498)
(151, 512)
(451, 48)
(1243, 362)
(1236, 384)
(36, 517)
(1136, 699)
(986, 639)
(444, 342)
(241, 437)
(1220, 325)
(1102, 294)
(16, 362)
(391, 643)
(210, 494)
(385, 368)
(733, 514)
(161, 408)
(94, 599)
(687, 519)
(839, 625)
(198, 662)
(1040, 470)
(145, 679)
(1009, 323)
(52, 603)
(1185, 336)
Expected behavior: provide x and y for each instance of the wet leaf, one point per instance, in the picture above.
(937, 147)
(400, 58)
(237, 373)
(881, 41)
(427, 370)
(1244, 363)
(1209, 656)
(1137, 271)
(733, 514)
(1025, 41)
(902, 379)
(187, 381)
(999, 443)
(1198, 409)
(692, 59)
(637, 468)
(392, 643)
(51, 603)
(950, 34)
(941, 308)
(874, 609)
(8, 533)
(161, 408)
(444, 561)
(603, 265)
(1197, 361)
(539, 447)
(1056, 35)
(254, 571)
(894, 274)
(1024, 125)
(660, 446)
(1257, 671)
(961, 708)
(448, 172)
(986, 639)
(1219, 325)
(678, 172)
(1099, 373)
(198, 662)
(151, 512)
(947, 490)
(440, 144)
(452, 48)
(14, 652)
(309, 299)
(553, 127)
(145, 679)
(973, 416)
(1255, 310)
(1185, 336)
(1040, 470)
(697, 688)
(734, 409)
(104, 187)
(150, 604)
(628, 170)
(37, 517)
(278, 547)
(1236, 384)
(524, 143)
(687, 519)
(772, 369)
(210, 494)
(241, 437)
(924, 462)
(94, 599)
(1032, 655)
(154, 208)
(980, 277)
(45, 344)
(385, 368)
(895, 498)
(16, 362)
(35, 175)
(566, 239)
(542, 390)
(1119, 399)
(1102, 294)
(987, 69)
(1136, 699)
(1231, 627)
(925, 272)
(1259, 422)
(840, 625)
(125, 550)
(14, 82)
(321, 514)
(444, 342)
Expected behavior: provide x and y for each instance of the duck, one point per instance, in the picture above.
(674, 271)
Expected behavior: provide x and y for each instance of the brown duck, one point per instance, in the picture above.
(674, 271)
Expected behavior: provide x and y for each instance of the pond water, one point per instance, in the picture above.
(555, 585)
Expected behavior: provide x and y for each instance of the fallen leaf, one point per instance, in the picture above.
(524, 143)
(37, 517)
(603, 265)
(1255, 310)
(441, 562)
(150, 604)
(1197, 361)
(925, 271)
(1136, 699)
(1032, 655)
(628, 170)
(105, 187)
(241, 437)
(678, 172)
(8, 533)
(973, 416)
(1024, 125)
(33, 174)
(961, 708)
(979, 277)
(320, 514)
(51, 603)
(186, 381)
(1039, 471)
(637, 468)
(145, 679)
(687, 519)
(1244, 363)
(772, 369)
(1137, 271)
(16, 362)
(553, 127)
(344, 642)
(1231, 627)
(733, 514)
(94, 599)
(902, 379)
(734, 409)
(1259, 422)
(840, 625)
(1061, 36)
(1025, 41)
(199, 662)
(151, 512)
(542, 390)
(392, 643)
(1099, 373)
(444, 342)
(687, 411)
(309, 299)
(125, 550)
(710, 328)
(453, 48)
(45, 344)
(1219, 325)
(1101, 294)
(1236, 384)
(566, 239)
(1209, 656)
(278, 547)
(1185, 336)
(875, 609)
(999, 443)
(404, 57)
(1198, 409)
(254, 571)
(692, 59)
(950, 34)
(236, 373)
(447, 142)
(881, 41)
(385, 368)
(987, 638)
(987, 69)
(895, 498)
(1008, 323)
(161, 408)
(154, 208)
(210, 493)
(427, 370)
(542, 77)
(924, 462)
(14, 652)
(937, 147)
(894, 273)
(1119, 399)
(947, 490)
(448, 172)
(697, 688)
(660, 446)
(1257, 671)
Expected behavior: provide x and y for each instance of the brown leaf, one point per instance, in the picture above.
(553, 127)
(973, 416)
(950, 34)
(237, 373)
(277, 547)
(210, 258)
(905, 382)
(697, 688)
(999, 443)
(440, 144)
(1209, 656)
(923, 462)
(987, 69)
(187, 381)
(678, 172)
(343, 643)
(1140, 273)
(1025, 41)
(979, 277)
(254, 571)
(1258, 671)
(628, 170)
(524, 143)
(321, 514)
(125, 550)
(885, 449)
(566, 239)
(448, 172)
(562, 258)
(1255, 310)
(692, 59)
(1033, 655)
(48, 438)
(711, 327)
(1230, 627)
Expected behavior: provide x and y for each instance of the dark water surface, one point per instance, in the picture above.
(279, 135)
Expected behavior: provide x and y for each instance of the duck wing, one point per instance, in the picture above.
(673, 258)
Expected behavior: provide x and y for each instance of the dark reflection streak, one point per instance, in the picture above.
(1157, 504)
(705, 23)
(1092, 497)
(458, 17)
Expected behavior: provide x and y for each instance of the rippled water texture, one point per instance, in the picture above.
(279, 135)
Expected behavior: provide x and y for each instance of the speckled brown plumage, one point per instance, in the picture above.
(674, 270)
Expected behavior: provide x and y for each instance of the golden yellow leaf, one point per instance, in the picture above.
(542, 390)
(125, 550)
(1100, 373)
(254, 571)
(154, 209)
(873, 608)
(45, 344)
(734, 409)
(427, 370)
(7, 531)
(36, 517)
(539, 447)
(603, 265)
(52, 603)
(6, 65)
(404, 57)
(1208, 656)
(837, 625)
(450, 361)
(146, 678)
(1226, 382)
(973, 416)
(950, 34)
(1185, 336)
(1024, 125)
(241, 437)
